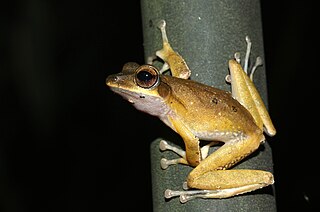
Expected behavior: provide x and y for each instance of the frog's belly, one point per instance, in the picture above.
(214, 135)
(223, 136)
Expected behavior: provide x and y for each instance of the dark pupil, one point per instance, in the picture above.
(144, 76)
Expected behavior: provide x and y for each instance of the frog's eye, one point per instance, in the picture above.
(147, 76)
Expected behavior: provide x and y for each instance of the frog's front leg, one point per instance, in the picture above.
(172, 60)
(193, 154)
(212, 180)
(164, 146)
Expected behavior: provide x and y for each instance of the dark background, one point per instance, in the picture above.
(69, 144)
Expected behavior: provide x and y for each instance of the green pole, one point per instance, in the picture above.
(207, 33)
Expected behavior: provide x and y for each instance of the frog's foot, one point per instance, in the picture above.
(189, 195)
(206, 194)
(165, 66)
(150, 59)
(257, 63)
(162, 26)
(164, 146)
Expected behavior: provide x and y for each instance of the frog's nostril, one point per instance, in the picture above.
(111, 79)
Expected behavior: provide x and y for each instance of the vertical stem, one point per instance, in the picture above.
(207, 34)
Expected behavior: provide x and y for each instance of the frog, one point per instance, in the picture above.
(197, 112)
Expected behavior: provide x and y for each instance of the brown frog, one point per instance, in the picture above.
(201, 112)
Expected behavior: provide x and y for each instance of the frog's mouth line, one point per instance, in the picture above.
(128, 95)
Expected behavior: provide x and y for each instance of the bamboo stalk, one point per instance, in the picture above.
(207, 34)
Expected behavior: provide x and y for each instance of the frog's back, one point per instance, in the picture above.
(205, 109)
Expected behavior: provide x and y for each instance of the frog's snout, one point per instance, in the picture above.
(111, 79)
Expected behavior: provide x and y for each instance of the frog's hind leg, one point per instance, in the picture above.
(245, 92)
(212, 180)
(243, 181)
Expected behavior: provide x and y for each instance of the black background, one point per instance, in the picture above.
(69, 144)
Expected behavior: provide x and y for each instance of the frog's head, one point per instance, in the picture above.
(140, 85)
